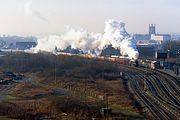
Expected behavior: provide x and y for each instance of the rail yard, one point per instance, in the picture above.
(156, 91)
(153, 93)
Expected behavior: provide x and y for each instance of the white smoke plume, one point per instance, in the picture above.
(114, 34)
(29, 10)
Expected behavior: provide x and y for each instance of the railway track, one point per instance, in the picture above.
(161, 97)
(163, 102)
(154, 89)
(168, 91)
(148, 101)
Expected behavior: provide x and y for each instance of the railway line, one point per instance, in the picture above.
(154, 91)
(147, 101)
(162, 101)
(168, 91)
(161, 96)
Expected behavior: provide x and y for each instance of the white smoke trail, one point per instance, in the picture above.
(28, 9)
(114, 33)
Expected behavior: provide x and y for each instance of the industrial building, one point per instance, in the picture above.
(25, 45)
(146, 51)
(17, 42)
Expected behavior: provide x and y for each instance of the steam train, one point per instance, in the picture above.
(121, 60)
(150, 64)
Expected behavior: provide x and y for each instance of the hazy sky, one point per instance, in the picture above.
(53, 16)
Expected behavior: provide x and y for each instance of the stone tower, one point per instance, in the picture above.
(152, 29)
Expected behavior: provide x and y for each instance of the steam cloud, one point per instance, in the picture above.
(28, 8)
(114, 34)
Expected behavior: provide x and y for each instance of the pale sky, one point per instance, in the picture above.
(53, 16)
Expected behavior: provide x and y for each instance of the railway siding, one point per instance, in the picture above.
(161, 97)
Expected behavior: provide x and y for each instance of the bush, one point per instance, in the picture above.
(76, 105)
(65, 65)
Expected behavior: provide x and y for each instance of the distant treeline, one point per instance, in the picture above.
(61, 65)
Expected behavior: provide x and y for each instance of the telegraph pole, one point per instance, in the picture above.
(55, 66)
(178, 63)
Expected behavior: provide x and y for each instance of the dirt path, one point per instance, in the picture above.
(6, 89)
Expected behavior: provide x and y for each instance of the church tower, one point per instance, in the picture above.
(152, 29)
